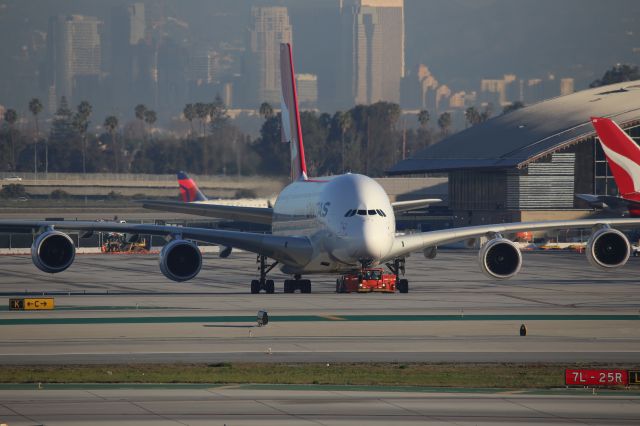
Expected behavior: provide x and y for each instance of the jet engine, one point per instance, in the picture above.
(500, 258)
(608, 248)
(53, 251)
(180, 260)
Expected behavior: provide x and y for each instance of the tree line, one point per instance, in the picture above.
(364, 139)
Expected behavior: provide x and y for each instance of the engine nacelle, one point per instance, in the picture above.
(500, 258)
(53, 251)
(180, 260)
(430, 252)
(608, 248)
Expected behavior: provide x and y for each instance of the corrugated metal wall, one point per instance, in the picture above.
(543, 185)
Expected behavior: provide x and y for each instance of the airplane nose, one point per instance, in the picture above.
(374, 242)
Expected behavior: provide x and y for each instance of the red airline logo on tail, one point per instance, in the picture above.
(623, 155)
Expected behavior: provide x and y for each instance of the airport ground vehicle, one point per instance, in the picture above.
(117, 243)
(371, 280)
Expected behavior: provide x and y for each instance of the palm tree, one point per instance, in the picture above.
(81, 121)
(444, 122)
(150, 117)
(189, 112)
(139, 111)
(11, 116)
(266, 110)
(346, 121)
(423, 118)
(472, 116)
(111, 124)
(202, 111)
(35, 106)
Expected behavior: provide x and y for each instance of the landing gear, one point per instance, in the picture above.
(397, 267)
(291, 286)
(263, 283)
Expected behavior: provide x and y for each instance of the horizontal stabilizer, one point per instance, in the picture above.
(404, 206)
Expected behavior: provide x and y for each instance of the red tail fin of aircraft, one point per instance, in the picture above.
(291, 130)
(623, 156)
(189, 191)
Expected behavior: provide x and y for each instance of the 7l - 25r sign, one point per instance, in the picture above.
(596, 377)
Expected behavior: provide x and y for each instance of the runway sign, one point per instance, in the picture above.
(32, 304)
(596, 377)
(634, 377)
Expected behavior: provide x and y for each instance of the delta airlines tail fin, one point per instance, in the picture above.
(623, 156)
(291, 130)
(189, 191)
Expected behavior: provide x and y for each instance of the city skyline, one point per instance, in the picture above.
(155, 53)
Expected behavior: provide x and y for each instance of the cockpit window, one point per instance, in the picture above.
(372, 212)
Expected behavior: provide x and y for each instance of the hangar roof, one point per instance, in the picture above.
(522, 136)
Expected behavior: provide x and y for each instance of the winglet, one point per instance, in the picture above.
(189, 191)
(291, 130)
(623, 156)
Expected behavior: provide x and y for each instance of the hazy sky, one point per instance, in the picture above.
(460, 40)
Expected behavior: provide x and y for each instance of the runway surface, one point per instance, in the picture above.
(246, 406)
(120, 308)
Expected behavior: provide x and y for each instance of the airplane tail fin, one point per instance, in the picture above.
(189, 191)
(623, 156)
(291, 130)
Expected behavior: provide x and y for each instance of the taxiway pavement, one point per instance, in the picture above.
(119, 308)
(246, 406)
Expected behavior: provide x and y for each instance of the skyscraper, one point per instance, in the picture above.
(74, 55)
(270, 27)
(373, 50)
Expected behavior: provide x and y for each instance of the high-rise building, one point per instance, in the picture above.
(270, 26)
(373, 50)
(566, 86)
(307, 85)
(137, 24)
(74, 55)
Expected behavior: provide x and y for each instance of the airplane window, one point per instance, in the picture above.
(362, 212)
(352, 213)
(347, 214)
(372, 212)
(381, 213)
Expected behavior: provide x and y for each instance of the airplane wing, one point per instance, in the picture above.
(296, 250)
(403, 206)
(261, 215)
(405, 244)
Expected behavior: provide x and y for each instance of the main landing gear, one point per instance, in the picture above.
(263, 283)
(291, 286)
(268, 286)
(397, 267)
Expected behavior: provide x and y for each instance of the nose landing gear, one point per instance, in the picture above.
(397, 267)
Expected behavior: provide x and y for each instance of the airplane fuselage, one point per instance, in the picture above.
(348, 219)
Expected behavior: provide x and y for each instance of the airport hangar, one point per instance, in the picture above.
(527, 165)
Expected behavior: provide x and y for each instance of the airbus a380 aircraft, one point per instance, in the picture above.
(623, 156)
(336, 224)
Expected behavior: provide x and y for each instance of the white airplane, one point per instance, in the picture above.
(339, 224)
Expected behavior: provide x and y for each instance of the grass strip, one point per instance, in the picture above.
(490, 375)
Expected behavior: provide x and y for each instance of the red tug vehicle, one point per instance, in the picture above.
(371, 280)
